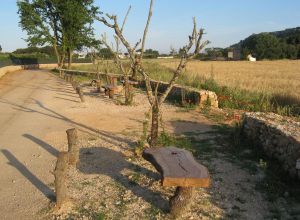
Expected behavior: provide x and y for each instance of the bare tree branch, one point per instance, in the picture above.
(146, 30)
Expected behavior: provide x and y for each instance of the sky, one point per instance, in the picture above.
(226, 21)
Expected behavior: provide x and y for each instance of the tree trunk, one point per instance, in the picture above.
(154, 125)
(134, 73)
(70, 56)
(128, 95)
(57, 55)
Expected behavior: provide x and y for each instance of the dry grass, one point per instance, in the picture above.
(271, 77)
(262, 86)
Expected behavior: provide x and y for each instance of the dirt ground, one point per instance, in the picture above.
(110, 182)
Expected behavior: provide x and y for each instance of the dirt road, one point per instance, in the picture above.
(30, 106)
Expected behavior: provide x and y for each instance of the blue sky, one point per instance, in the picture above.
(226, 21)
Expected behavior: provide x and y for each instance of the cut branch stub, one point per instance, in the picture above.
(60, 174)
(73, 147)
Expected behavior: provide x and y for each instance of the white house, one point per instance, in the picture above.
(251, 58)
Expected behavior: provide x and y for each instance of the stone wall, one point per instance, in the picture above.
(279, 136)
(185, 94)
(9, 69)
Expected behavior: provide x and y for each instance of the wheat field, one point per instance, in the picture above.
(269, 77)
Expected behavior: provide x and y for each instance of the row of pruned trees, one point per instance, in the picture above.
(50, 18)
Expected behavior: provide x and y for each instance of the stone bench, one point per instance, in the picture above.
(178, 168)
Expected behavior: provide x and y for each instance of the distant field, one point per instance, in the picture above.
(270, 77)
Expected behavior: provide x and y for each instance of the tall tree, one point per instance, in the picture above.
(65, 25)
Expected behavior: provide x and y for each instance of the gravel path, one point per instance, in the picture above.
(26, 159)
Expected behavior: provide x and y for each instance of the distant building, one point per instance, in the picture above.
(81, 55)
(251, 58)
(166, 57)
(234, 54)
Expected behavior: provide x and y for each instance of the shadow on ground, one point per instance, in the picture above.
(42, 187)
(104, 161)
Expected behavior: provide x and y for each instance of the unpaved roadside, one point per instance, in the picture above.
(36, 108)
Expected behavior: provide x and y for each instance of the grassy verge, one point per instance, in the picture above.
(233, 98)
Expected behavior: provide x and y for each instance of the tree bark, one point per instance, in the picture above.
(73, 147)
(154, 125)
(128, 94)
(70, 56)
(134, 73)
(57, 54)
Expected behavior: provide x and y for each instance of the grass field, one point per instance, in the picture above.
(261, 86)
(270, 77)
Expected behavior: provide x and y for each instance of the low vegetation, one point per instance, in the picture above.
(262, 86)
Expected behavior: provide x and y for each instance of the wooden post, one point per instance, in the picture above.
(60, 174)
(111, 93)
(181, 201)
(62, 74)
(98, 84)
(114, 80)
(73, 147)
(74, 84)
(80, 93)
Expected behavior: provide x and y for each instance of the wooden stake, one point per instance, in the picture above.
(73, 147)
(80, 93)
(98, 82)
(111, 93)
(60, 174)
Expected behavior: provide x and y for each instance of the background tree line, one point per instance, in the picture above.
(272, 46)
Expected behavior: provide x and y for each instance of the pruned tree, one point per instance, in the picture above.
(116, 51)
(65, 25)
(156, 99)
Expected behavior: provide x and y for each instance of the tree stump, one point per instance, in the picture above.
(181, 201)
(73, 147)
(80, 93)
(60, 174)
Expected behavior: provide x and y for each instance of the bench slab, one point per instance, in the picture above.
(110, 87)
(177, 167)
